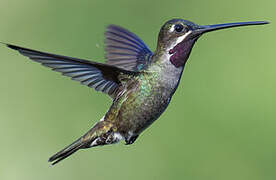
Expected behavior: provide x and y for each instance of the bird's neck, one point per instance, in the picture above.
(168, 74)
(177, 53)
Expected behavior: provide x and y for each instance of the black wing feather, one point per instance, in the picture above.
(101, 77)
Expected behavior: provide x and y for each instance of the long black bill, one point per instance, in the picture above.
(209, 28)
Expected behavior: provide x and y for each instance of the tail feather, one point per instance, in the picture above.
(99, 133)
(64, 153)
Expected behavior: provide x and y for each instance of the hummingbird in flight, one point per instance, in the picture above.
(140, 82)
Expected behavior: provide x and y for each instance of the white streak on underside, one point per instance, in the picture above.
(118, 137)
(94, 143)
(115, 137)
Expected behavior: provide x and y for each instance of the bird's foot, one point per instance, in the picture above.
(131, 140)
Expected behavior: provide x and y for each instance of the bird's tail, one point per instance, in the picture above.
(64, 153)
(86, 141)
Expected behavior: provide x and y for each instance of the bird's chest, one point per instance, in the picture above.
(148, 100)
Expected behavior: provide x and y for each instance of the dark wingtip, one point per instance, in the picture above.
(264, 22)
(10, 46)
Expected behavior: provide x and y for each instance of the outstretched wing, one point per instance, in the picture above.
(99, 76)
(125, 50)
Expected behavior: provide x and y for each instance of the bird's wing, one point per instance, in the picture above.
(101, 77)
(126, 50)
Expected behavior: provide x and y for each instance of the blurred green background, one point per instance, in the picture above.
(220, 124)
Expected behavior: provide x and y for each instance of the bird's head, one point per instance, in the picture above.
(177, 37)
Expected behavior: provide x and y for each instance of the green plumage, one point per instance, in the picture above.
(140, 82)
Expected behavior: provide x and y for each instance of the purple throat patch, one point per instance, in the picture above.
(181, 52)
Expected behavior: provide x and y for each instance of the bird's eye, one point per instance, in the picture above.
(178, 27)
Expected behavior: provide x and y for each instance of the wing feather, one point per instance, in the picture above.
(126, 50)
(101, 77)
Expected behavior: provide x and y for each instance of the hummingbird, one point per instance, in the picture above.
(140, 82)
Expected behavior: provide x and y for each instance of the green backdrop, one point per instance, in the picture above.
(220, 124)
